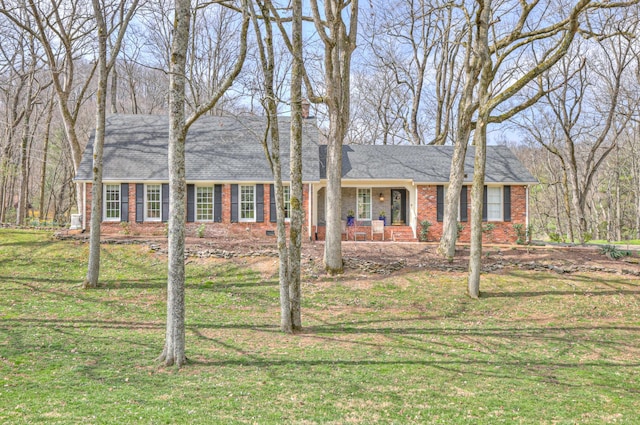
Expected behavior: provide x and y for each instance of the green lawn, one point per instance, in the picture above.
(409, 348)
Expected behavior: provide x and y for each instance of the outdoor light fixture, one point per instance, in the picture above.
(381, 197)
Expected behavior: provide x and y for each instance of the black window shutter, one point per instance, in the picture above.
(506, 199)
(439, 203)
(463, 204)
(124, 202)
(484, 204)
(272, 204)
(139, 202)
(259, 203)
(217, 203)
(234, 203)
(165, 201)
(191, 203)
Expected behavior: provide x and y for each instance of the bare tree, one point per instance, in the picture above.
(289, 255)
(339, 40)
(174, 347)
(591, 116)
(337, 28)
(490, 100)
(417, 43)
(63, 29)
(106, 61)
(45, 152)
(542, 41)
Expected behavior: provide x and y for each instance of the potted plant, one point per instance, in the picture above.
(350, 215)
(381, 216)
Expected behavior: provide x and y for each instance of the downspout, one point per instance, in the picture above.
(526, 219)
(310, 211)
(84, 206)
(414, 210)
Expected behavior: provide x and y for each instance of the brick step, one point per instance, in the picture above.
(403, 235)
(407, 239)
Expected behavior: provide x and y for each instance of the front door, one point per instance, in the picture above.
(398, 206)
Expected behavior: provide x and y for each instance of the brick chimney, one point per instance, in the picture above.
(305, 108)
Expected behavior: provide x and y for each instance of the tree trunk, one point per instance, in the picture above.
(272, 152)
(577, 201)
(295, 166)
(93, 267)
(466, 108)
(477, 190)
(339, 45)
(21, 211)
(174, 348)
(114, 91)
(480, 142)
(104, 65)
(333, 204)
(43, 172)
(618, 220)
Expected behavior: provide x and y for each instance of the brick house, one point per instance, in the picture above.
(230, 190)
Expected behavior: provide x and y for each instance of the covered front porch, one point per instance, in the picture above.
(363, 204)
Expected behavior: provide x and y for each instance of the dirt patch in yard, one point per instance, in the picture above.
(384, 258)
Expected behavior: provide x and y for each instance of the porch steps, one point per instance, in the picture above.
(402, 234)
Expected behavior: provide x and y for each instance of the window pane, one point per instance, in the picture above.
(364, 204)
(287, 201)
(112, 201)
(494, 203)
(204, 203)
(153, 201)
(247, 199)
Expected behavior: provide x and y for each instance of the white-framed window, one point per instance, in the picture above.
(494, 203)
(153, 202)
(204, 203)
(247, 203)
(364, 204)
(287, 201)
(111, 202)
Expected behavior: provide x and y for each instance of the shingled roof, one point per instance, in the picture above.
(228, 149)
(423, 164)
(220, 149)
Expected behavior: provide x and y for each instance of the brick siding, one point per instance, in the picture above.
(503, 232)
(211, 229)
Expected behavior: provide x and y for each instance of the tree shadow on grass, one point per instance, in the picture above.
(582, 285)
(531, 294)
(455, 349)
(440, 355)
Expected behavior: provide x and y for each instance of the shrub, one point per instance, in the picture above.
(200, 230)
(488, 228)
(424, 230)
(125, 227)
(521, 233)
(556, 237)
(613, 252)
